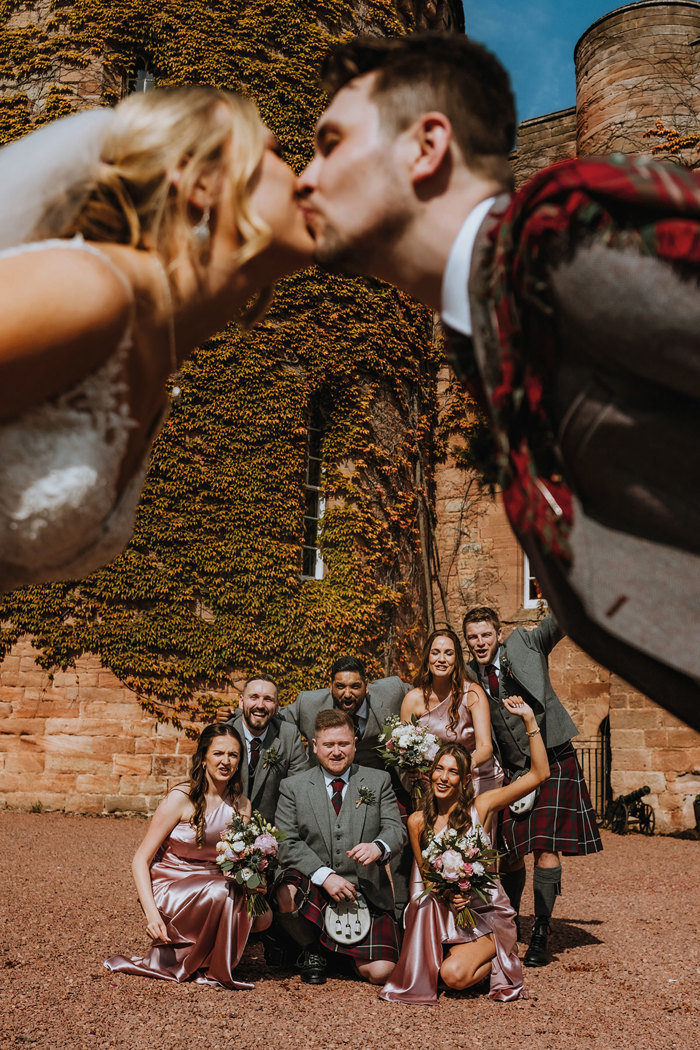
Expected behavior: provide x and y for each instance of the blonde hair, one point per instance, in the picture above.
(160, 144)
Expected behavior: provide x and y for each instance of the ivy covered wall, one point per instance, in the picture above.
(211, 581)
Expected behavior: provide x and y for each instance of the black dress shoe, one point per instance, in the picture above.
(313, 968)
(275, 953)
(536, 954)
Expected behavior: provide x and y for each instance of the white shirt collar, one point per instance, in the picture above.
(251, 736)
(455, 310)
(331, 776)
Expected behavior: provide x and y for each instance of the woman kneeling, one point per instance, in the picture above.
(198, 921)
(435, 945)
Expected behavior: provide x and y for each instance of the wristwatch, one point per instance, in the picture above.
(385, 854)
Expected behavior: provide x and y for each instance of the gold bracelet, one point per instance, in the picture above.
(534, 732)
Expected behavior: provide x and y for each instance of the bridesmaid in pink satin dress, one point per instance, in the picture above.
(198, 922)
(454, 708)
(434, 946)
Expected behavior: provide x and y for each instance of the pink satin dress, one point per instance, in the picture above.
(489, 774)
(207, 920)
(431, 928)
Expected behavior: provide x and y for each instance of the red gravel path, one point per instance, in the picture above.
(625, 972)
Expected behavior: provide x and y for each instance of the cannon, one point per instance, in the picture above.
(626, 811)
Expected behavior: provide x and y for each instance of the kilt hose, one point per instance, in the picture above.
(561, 821)
(380, 944)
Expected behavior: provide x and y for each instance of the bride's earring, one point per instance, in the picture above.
(201, 231)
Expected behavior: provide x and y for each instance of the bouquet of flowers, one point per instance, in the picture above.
(459, 863)
(409, 746)
(247, 854)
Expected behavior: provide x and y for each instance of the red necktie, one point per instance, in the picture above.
(253, 761)
(337, 797)
(492, 675)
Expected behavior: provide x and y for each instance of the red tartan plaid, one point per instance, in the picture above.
(382, 941)
(625, 202)
(561, 821)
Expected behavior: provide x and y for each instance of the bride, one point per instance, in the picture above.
(127, 238)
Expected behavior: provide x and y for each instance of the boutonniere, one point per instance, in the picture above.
(271, 758)
(366, 797)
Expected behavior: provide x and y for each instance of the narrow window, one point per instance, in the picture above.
(531, 594)
(311, 560)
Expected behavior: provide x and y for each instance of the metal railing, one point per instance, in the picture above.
(594, 758)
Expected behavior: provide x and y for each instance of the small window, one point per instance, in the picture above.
(140, 78)
(311, 560)
(531, 592)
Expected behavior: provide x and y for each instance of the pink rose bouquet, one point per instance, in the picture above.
(459, 863)
(247, 855)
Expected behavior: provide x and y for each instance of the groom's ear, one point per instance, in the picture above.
(431, 138)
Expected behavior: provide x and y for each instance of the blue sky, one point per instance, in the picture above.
(535, 40)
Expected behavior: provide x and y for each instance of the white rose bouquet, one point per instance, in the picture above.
(458, 864)
(247, 854)
(408, 746)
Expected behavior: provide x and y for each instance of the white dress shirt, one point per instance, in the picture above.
(455, 310)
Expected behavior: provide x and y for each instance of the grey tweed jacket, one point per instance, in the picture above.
(317, 838)
(524, 660)
(281, 755)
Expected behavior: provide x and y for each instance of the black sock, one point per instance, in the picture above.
(546, 885)
(514, 883)
(301, 931)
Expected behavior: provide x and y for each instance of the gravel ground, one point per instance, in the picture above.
(624, 972)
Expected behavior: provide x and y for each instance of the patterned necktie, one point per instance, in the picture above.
(492, 675)
(337, 797)
(253, 761)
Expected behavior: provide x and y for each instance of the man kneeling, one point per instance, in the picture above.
(342, 824)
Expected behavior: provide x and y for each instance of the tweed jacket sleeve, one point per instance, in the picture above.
(545, 636)
(295, 852)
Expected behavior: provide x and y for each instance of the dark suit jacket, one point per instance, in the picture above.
(281, 756)
(383, 700)
(525, 672)
(626, 385)
(317, 838)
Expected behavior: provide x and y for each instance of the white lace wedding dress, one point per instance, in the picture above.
(61, 516)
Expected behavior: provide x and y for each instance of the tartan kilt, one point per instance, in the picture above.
(382, 941)
(561, 821)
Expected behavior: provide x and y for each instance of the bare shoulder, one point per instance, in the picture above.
(413, 703)
(176, 804)
(475, 694)
(65, 312)
(416, 821)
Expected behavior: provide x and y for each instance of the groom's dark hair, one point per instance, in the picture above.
(436, 71)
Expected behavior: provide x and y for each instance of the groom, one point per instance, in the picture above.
(573, 312)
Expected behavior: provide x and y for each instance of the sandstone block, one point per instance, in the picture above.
(627, 738)
(24, 800)
(101, 703)
(634, 759)
(150, 786)
(164, 766)
(78, 764)
(151, 745)
(67, 744)
(683, 737)
(10, 694)
(126, 804)
(136, 765)
(640, 719)
(656, 737)
(671, 760)
(97, 784)
(83, 803)
(24, 763)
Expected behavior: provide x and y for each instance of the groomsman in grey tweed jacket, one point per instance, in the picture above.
(562, 818)
(272, 748)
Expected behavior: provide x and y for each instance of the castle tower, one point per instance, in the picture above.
(634, 66)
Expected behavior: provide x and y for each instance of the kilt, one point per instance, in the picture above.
(561, 821)
(382, 941)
